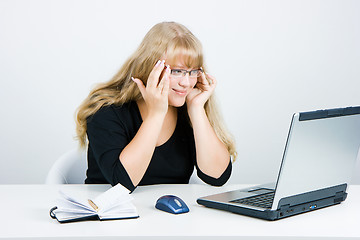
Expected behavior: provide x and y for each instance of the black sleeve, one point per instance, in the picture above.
(108, 136)
(215, 181)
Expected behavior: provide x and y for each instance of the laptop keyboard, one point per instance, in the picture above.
(263, 200)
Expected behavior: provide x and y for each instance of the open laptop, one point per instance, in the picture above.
(318, 160)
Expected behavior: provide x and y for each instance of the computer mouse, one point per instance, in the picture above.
(171, 204)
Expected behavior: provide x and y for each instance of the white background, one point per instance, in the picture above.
(271, 58)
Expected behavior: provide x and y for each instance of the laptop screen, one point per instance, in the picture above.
(320, 152)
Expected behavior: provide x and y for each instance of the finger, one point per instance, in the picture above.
(203, 80)
(212, 79)
(202, 83)
(155, 74)
(166, 73)
(202, 87)
(140, 85)
(166, 86)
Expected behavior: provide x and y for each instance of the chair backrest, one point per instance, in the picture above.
(194, 179)
(70, 168)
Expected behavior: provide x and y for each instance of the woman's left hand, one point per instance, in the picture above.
(202, 91)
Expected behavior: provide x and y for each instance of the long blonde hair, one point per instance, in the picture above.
(169, 38)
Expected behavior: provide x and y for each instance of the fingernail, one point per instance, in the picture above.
(163, 61)
(133, 79)
(158, 63)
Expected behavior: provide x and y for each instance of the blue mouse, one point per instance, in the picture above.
(171, 204)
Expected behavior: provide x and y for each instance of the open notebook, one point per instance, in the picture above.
(115, 203)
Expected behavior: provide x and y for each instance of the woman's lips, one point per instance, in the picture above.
(180, 92)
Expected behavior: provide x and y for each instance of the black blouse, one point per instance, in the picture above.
(111, 129)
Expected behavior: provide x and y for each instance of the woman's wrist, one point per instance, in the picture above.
(156, 118)
(196, 112)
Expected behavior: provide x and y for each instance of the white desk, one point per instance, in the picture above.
(25, 214)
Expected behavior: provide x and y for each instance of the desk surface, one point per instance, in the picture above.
(25, 214)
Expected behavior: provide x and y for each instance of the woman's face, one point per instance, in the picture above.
(180, 86)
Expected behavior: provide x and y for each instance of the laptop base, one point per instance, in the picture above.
(289, 206)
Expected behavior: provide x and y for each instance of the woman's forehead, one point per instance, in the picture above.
(182, 61)
(176, 61)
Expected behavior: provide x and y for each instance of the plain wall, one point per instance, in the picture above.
(271, 59)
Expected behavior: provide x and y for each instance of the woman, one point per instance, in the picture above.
(156, 119)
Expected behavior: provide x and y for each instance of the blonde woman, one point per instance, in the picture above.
(156, 119)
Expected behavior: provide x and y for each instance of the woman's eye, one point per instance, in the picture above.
(176, 71)
(194, 72)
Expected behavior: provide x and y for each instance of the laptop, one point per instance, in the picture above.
(317, 164)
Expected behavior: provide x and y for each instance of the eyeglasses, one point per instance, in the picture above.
(182, 72)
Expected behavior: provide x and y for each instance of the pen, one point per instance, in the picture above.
(93, 205)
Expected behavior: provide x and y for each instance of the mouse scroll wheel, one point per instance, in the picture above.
(177, 202)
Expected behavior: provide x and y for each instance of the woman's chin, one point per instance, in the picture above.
(178, 102)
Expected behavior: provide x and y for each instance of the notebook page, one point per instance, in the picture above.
(112, 197)
(76, 202)
(66, 206)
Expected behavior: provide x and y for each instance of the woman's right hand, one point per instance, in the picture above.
(156, 91)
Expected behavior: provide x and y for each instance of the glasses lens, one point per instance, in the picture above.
(195, 73)
(177, 72)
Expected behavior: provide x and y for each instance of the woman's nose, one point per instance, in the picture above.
(185, 81)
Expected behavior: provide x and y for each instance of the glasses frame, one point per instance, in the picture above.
(184, 72)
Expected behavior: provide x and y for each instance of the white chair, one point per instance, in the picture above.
(194, 179)
(70, 168)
